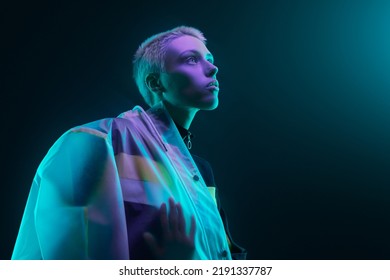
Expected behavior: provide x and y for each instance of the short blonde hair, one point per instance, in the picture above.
(150, 57)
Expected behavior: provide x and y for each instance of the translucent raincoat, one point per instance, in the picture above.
(100, 185)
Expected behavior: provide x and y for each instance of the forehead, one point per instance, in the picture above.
(185, 43)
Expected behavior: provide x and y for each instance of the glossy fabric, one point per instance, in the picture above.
(100, 174)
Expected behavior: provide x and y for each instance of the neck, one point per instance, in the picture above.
(182, 116)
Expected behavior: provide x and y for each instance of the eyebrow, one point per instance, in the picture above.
(208, 55)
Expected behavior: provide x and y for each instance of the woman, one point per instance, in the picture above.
(128, 187)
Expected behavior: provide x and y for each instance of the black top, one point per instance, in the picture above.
(203, 165)
(237, 252)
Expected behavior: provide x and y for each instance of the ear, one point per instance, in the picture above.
(153, 82)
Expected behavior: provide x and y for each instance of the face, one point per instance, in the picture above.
(190, 81)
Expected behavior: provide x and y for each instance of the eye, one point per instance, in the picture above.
(192, 59)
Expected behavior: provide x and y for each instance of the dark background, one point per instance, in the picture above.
(300, 143)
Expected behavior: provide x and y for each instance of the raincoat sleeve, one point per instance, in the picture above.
(76, 210)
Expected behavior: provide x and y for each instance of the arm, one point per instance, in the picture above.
(79, 207)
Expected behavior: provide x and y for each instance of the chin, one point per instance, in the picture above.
(209, 106)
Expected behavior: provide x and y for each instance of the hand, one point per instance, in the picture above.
(175, 245)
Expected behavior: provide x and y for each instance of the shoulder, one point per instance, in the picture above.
(99, 128)
(103, 127)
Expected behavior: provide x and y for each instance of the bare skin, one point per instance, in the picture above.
(184, 86)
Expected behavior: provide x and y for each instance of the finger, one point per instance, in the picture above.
(164, 221)
(152, 243)
(172, 216)
(181, 224)
(192, 229)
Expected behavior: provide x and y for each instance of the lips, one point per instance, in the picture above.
(213, 83)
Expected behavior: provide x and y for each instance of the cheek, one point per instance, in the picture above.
(178, 82)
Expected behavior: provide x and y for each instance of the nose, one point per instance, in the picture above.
(212, 70)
